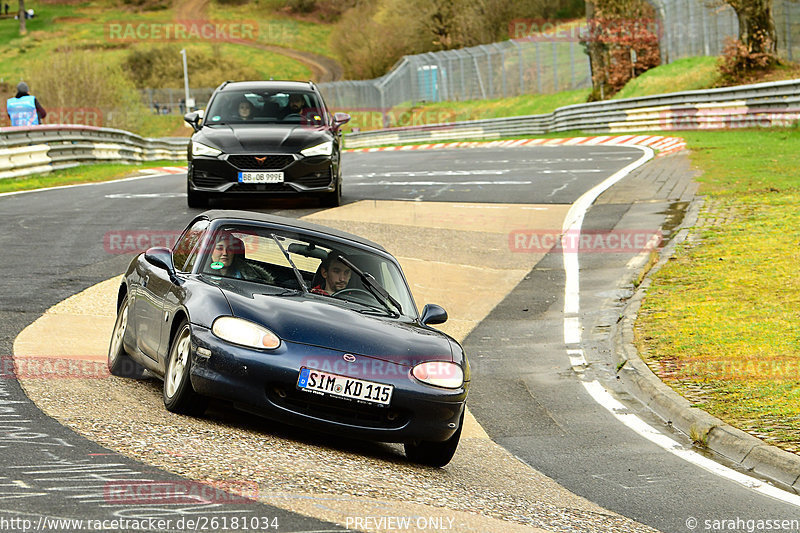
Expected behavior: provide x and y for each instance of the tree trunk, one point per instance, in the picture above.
(756, 28)
(21, 16)
(596, 52)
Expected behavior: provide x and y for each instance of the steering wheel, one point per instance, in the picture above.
(355, 291)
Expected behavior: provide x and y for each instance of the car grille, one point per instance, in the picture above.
(337, 410)
(204, 179)
(271, 161)
(315, 181)
(259, 187)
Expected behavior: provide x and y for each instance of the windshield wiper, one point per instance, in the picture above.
(286, 255)
(381, 294)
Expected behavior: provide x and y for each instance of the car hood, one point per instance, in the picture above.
(309, 319)
(262, 137)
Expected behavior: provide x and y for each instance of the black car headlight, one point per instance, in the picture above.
(245, 333)
(202, 149)
(325, 148)
(439, 374)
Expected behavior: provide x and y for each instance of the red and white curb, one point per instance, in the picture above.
(163, 170)
(664, 145)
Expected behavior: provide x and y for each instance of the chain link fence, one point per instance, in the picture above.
(498, 70)
(693, 27)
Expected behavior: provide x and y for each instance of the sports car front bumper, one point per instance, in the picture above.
(265, 382)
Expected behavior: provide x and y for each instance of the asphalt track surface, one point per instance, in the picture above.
(524, 393)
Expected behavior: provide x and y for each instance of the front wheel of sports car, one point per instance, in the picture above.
(179, 396)
(119, 362)
(435, 454)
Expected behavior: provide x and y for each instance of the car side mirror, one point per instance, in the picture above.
(340, 119)
(161, 257)
(433, 314)
(193, 119)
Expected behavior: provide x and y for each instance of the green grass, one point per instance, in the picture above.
(725, 310)
(86, 26)
(682, 75)
(82, 174)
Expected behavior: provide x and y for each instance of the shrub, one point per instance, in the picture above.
(739, 62)
(161, 67)
(70, 81)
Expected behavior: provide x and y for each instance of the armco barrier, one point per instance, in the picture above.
(758, 105)
(32, 150)
(36, 149)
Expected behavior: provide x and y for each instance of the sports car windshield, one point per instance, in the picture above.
(314, 266)
(265, 107)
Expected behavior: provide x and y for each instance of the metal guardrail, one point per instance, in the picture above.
(36, 149)
(757, 105)
(31, 150)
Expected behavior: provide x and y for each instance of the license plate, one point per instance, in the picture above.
(260, 177)
(343, 387)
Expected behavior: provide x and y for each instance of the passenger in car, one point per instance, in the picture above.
(228, 259)
(335, 275)
(245, 110)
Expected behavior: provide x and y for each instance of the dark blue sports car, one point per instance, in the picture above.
(297, 322)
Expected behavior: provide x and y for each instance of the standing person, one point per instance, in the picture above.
(24, 109)
(6, 7)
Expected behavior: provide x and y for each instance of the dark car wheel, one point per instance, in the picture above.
(179, 396)
(119, 362)
(333, 199)
(435, 454)
(196, 199)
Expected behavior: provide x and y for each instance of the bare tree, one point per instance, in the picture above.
(21, 16)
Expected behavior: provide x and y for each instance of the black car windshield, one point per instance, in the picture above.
(265, 107)
(256, 254)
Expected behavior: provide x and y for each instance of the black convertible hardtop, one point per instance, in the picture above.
(251, 216)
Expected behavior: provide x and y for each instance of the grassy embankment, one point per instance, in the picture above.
(87, 27)
(720, 323)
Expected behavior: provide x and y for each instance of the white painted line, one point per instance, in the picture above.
(622, 413)
(134, 178)
(384, 183)
(572, 336)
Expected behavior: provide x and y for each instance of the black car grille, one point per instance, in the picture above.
(313, 180)
(204, 179)
(263, 162)
(337, 410)
(259, 187)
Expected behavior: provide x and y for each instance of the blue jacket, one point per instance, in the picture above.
(22, 111)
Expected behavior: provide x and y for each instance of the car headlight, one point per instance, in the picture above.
(245, 333)
(202, 149)
(325, 148)
(439, 374)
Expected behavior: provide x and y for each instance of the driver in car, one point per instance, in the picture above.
(335, 275)
(295, 106)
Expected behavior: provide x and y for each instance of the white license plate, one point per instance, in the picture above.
(260, 177)
(356, 389)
